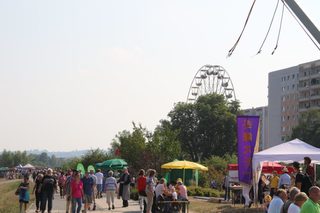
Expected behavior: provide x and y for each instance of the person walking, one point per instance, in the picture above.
(48, 188)
(150, 186)
(110, 189)
(76, 191)
(226, 187)
(99, 176)
(70, 176)
(141, 186)
(124, 189)
(24, 195)
(37, 191)
(88, 184)
(61, 183)
(94, 178)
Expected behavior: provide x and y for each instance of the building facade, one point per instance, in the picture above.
(291, 91)
(262, 112)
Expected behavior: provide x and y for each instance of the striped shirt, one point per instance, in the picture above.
(111, 184)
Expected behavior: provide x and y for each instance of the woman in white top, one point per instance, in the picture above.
(150, 188)
(299, 199)
(110, 188)
(160, 188)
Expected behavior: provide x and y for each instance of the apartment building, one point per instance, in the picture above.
(291, 91)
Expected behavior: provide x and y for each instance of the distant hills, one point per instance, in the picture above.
(70, 154)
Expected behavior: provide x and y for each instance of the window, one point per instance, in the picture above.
(288, 77)
(283, 129)
(293, 76)
(293, 86)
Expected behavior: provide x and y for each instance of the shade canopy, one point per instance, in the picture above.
(294, 150)
(113, 164)
(28, 166)
(268, 167)
(184, 165)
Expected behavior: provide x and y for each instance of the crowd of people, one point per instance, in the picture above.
(290, 193)
(81, 190)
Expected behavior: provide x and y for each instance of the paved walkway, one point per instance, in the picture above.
(59, 206)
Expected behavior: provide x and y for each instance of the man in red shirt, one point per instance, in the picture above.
(141, 186)
(309, 168)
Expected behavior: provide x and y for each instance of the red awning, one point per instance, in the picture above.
(268, 167)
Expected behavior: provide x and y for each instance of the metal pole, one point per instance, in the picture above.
(304, 19)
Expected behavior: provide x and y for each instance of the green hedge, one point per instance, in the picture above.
(192, 191)
(206, 192)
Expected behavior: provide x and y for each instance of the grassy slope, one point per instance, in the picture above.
(8, 200)
(200, 206)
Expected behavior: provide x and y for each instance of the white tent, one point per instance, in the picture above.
(28, 166)
(294, 150)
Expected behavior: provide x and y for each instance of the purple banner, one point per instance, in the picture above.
(247, 135)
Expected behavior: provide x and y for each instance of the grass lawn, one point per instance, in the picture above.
(8, 200)
(201, 206)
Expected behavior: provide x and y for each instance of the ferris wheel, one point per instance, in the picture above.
(211, 79)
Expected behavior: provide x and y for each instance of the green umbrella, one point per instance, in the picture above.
(90, 167)
(113, 164)
(80, 168)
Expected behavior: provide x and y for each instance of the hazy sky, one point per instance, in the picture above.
(75, 73)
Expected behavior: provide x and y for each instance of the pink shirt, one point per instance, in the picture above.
(76, 189)
(183, 191)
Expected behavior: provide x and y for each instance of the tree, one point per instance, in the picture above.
(207, 127)
(308, 128)
(94, 156)
(164, 145)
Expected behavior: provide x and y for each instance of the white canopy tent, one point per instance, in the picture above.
(28, 166)
(294, 150)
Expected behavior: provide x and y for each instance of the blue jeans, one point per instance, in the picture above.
(76, 202)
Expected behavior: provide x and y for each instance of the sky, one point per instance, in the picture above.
(75, 73)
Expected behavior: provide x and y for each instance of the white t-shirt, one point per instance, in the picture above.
(99, 176)
(293, 208)
(174, 196)
(159, 190)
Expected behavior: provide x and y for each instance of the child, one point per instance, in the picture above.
(24, 194)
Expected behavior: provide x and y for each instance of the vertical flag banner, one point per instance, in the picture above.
(247, 136)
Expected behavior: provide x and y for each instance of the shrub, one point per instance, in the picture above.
(134, 195)
(206, 192)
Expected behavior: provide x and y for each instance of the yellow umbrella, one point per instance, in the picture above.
(183, 164)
